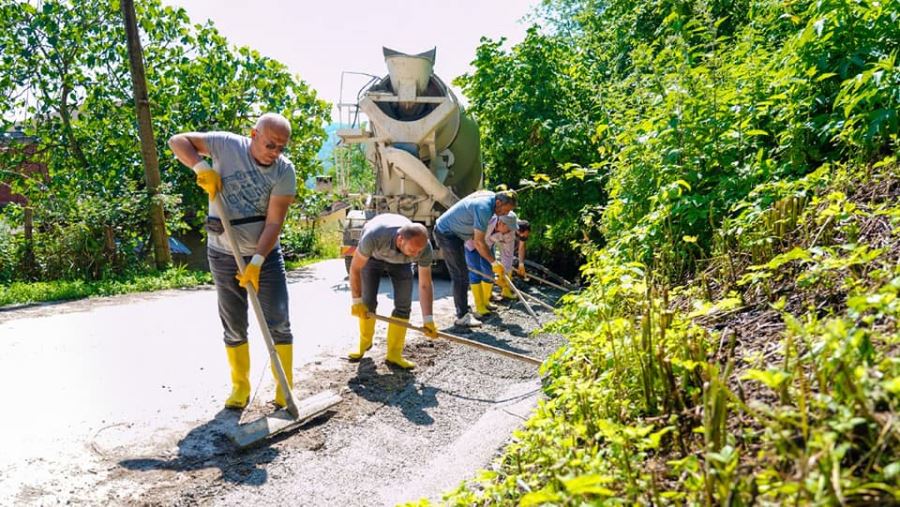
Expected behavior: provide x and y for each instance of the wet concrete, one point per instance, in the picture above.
(117, 400)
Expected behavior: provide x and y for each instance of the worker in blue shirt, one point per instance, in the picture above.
(465, 220)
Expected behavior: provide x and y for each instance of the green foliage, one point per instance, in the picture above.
(300, 235)
(533, 108)
(746, 151)
(352, 170)
(672, 112)
(65, 79)
(34, 292)
(655, 401)
(9, 251)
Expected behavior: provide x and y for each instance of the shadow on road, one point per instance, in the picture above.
(395, 389)
(207, 446)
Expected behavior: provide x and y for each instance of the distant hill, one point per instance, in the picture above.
(328, 146)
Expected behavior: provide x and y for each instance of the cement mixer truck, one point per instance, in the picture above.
(423, 148)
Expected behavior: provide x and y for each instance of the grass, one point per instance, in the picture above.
(59, 290)
(306, 261)
(327, 247)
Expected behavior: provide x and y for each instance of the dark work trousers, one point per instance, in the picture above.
(454, 252)
(402, 279)
(273, 297)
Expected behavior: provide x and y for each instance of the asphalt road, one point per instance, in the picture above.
(118, 401)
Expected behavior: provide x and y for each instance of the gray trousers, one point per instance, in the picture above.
(402, 279)
(454, 250)
(273, 297)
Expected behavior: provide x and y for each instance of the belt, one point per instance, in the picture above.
(248, 220)
(214, 224)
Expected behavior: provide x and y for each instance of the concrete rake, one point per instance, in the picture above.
(294, 414)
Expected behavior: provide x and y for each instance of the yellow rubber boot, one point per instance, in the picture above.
(396, 337)
(285, 353)
(478, 295)
(488, 289)
(239, 360)
(366, 332)
(507, 293)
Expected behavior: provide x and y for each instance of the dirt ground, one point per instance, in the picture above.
(397, 435)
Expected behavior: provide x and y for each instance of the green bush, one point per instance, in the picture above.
(137, 281)
(747, 151)
(661, 117)
(655, 399)
(302, 236)
(298, 241)
(9, 252)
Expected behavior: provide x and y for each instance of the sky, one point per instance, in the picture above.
(320, 39)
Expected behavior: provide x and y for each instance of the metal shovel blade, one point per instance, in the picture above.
(247, 435)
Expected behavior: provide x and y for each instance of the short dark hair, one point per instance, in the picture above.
(508, 197)
(524, 226)
(413, 230)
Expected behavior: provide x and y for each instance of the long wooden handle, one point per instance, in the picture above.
(536, 265)
(548, 282)
(460, 340)
(538, 301)
(257, 309)
(521, 298)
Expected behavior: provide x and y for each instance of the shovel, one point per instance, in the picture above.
(293, 414)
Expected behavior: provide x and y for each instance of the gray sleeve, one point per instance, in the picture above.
(366, 243)
(426, 257)
(215, 142)
(287, 183)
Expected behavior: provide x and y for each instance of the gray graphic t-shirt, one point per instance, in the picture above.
(246, 187)
(377, 241)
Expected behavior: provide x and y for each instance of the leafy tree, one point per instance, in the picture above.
(661, 116)
(65, 78)
(535, 111)
(352, 166)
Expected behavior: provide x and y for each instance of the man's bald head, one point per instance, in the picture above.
(269, 138)
(273, 121)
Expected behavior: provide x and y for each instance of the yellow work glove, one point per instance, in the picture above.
(208, 179)
(430, 328)
(251, 273)
(497, 267)
(359, 309)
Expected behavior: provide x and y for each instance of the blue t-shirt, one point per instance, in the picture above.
(472, 212)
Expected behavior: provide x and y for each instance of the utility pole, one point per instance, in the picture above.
(158, 235)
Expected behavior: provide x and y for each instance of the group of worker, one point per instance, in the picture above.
(256, 183)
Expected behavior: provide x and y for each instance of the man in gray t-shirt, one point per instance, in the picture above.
(391, 243)
(257, 185)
